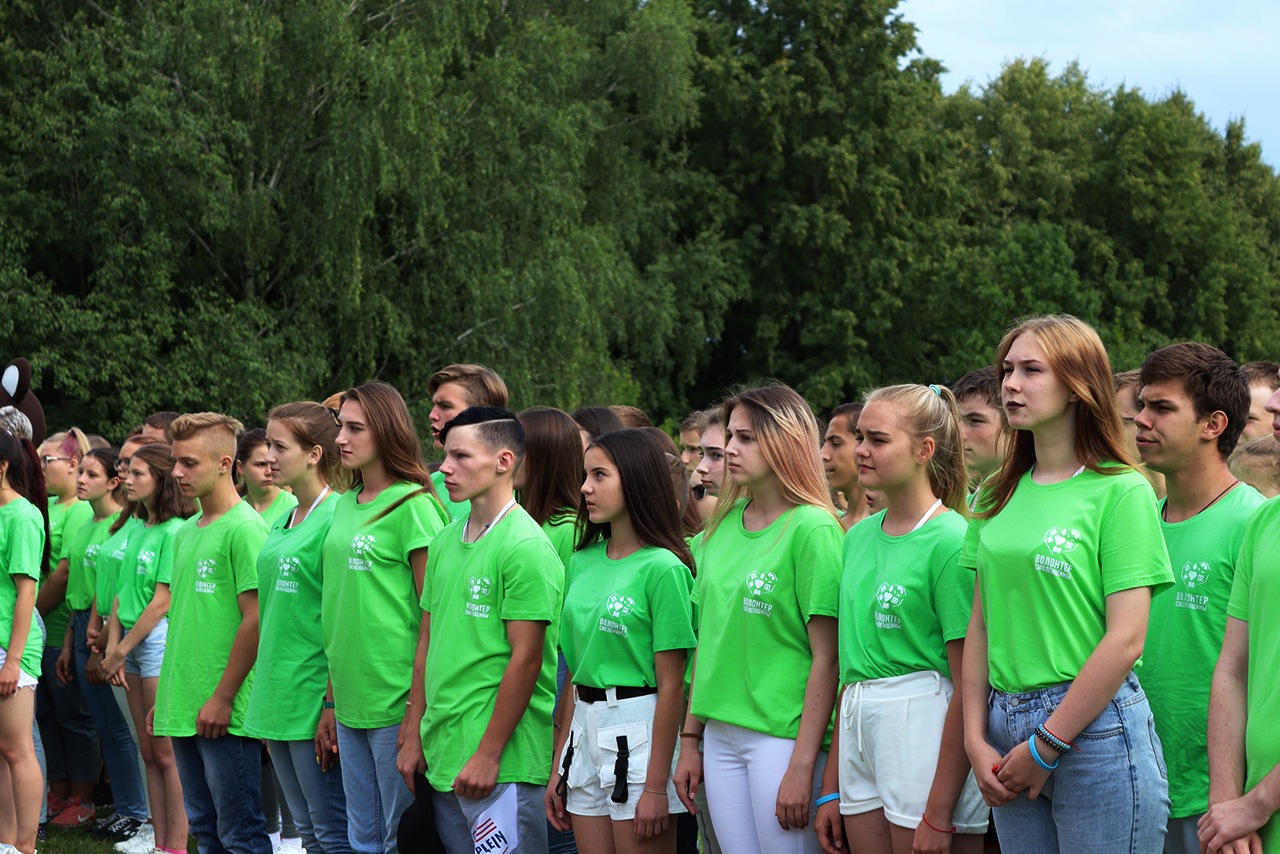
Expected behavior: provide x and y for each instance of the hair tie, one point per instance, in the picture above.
(933, 388)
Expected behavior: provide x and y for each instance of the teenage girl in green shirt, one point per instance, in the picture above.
(256, 483)
(1067, 545)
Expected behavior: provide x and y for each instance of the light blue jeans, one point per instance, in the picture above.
(1109, 797)
(316, 798)
(375, 791)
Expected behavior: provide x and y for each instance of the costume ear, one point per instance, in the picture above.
(15, 389)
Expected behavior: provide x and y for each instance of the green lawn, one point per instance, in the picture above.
(74, 840)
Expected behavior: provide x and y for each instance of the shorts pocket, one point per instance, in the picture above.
(580, 771)
(611, 741)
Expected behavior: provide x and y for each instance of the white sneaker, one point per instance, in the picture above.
(291, 846)
(142, 842)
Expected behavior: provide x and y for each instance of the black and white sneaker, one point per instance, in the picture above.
(117, 828)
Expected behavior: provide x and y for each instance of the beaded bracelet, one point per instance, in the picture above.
(826, 799)
(1053, 741)
(1031, 742)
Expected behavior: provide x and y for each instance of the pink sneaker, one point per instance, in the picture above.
(56, 806)
(75, 814)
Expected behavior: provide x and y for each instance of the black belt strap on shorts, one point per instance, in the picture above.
(562, 788)
(620, 772)
(599, 695)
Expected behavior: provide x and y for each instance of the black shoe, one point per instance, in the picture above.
(117, 828)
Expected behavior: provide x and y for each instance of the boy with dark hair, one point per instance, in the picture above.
(207, 672)
(1194, 402)
(1264, 379)
(631, 416)
(157, 425)
(978, 394)
(452, 390)
(485, 672)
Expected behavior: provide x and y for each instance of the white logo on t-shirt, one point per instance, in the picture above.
(361, 545)
(479, 587)
(620, 605)
(287, 566)
(1195, 573)
(760, 583)
(1060, 540)
(91, 555)
(206, 567)
(144, 558)
(890, 595)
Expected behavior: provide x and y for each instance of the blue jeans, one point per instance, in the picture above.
(222, 792)
(66, 727)
(118, 748)
(315, 797)
(1110, 797)
(376, 793)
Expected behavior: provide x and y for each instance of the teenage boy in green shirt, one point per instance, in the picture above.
(479, 718)
(982, 414)
(452, 390)
(1244, 741)
(207, 673)
(1193, 403)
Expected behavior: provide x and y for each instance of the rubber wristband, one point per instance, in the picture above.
(1063, 741)
(826, 799)
(696, 735)
(1031, 742)
(931, 827)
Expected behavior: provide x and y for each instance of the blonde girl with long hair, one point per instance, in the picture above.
(1067, 545)
(898, 779)
(765, 671)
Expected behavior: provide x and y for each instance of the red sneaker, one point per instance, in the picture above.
(75, 814)
(56, 805)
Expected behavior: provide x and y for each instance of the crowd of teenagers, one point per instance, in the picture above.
(1047, 596)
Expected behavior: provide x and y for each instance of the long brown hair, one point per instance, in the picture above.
(647, 491)
(388, 420)
(1077, 358)
(314, 427)
(790, 440)
(689, 516)
(552, 463)
(168, 502)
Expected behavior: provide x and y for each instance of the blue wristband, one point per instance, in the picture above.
(825, 799)
(1031, 742)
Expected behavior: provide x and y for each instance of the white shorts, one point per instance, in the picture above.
(25, 679)
(594, 734)
(890, 738)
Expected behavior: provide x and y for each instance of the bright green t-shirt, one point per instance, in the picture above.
(757, 591)
(111, 557)
(1184, 637)
(148, 562)
(472, 590)
(293, 673)
(618, 613)
(64, 520)
(212, 566)
(454, 511)
(1047, 563)
(21, 553)
(369, 605)
(82, 561)
(562, 531)
(281, 505)
(1255, 598)
(902, 598)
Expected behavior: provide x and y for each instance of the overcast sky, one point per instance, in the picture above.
(1223, 56)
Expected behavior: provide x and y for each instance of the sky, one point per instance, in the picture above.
(1223, 56)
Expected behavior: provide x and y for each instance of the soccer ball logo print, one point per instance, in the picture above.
(890, 595)
(479, 587)
(146, 556)
(362, 544)
(1195, 573)
(619, 605)
(289, 565)
(760, 583)
(1062, 540)
(206, 567)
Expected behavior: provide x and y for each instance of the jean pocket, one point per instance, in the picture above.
(625, 746)
(1108, 724)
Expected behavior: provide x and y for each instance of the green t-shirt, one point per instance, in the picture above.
(279, 506)
(1046, 564)
(562, 531)
(292, 673)
(21, 553)
(454, 511)
(369, 605)
(111, 557)
(212, 566)
(1255, 598)
(82, 561)
(148, 562)
(902, 598)
(618, 613)
(472, 589)
(1184, 636)
(64, 519)
(757, 591)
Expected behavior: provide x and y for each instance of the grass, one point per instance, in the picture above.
(75, 840)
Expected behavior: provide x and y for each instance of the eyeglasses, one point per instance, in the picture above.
(122, 464)
(46, 460)
(334, 413)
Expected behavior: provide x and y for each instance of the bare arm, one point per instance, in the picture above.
(796, 790)
(118, 647)
(410, 759)
(54, 591)
(976, 692)
(478, 777)
(22, 609)
(215, 715)
(563, 718)
(953, 764)
(652, 816)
